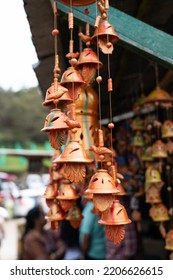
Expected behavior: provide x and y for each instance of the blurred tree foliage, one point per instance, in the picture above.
(22, 116)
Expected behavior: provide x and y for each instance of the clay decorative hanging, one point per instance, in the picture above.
(159, 150)
(153, 195)
(55, 215)
(159, 213)
(159, 95)
(73, 81)
(66, 196)
(74, 216)
(58, 96)
(57, 128)
(74, 159)
(115, 218)
(167, 129)
(102, 186)
(87, 64)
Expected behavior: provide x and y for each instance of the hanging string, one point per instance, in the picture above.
(55, 33)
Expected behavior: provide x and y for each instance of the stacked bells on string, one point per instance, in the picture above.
(57, 128)
(74, 159)
(159, 212)
(115, 218)
(78, 2)
(67, 195)
(167, 129)
(87, 64)
(59, 96)
(103, 187)
(55, 215)
(73, 81)
(105, 36)
(169, 240)
(74, 216)
(159, 150)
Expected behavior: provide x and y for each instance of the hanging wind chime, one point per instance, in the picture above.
(76, 133)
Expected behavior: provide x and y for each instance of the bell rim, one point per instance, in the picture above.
(114, 224)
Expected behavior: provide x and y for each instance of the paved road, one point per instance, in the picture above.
(9, 248)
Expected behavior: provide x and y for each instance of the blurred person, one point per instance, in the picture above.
(70, 236)
(39, 243)
(91, 234)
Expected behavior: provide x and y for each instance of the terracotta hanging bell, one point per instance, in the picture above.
(159, 213)
(167, 129)
(158, 95)
(73, 81)
(75, 216)
(152, 175)
(102, 186)
(153, 195)
(59, 96)
(105, 36)
(51, 191)
(87, 64)
(55, 213)
(159, 150)
(57, 128)
(67, 195)
(74, 159)
(116, 215)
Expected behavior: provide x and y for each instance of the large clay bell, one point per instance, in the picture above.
(159, 212)
(169, 240)
(75, 216)
(67, 195)
(105, 36)
(159, 150)
(75, 159)
(167, 129)
(73, 81)
(116, 215)
(60, 96)
(78, 2)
